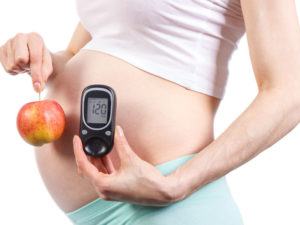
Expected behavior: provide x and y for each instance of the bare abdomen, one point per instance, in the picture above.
(161, 120)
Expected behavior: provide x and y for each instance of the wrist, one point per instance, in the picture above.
(175, 188)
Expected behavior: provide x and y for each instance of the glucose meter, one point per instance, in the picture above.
(97, 123)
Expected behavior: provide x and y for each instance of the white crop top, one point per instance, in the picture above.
(188, 42)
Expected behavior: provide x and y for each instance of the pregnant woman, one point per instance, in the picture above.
(168, 64)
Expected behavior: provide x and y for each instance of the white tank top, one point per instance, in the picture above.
(188, 42)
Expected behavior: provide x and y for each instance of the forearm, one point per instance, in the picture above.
(271, 115)
(274, 46)
(59, 59)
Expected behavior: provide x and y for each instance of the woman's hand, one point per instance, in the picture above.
(136, 181)
(27, 53)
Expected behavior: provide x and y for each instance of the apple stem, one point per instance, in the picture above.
(39, 96)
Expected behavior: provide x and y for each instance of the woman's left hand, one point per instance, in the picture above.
(135, 181)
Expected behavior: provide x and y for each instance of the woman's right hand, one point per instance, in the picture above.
(27, 53)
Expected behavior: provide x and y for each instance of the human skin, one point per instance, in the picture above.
(273, 113)
(147, 109)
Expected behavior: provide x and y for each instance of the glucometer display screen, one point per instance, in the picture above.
(97, 110)
(97, 119)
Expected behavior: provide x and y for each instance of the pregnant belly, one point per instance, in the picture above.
(161, 120)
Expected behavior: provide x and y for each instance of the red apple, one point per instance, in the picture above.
(41, 122)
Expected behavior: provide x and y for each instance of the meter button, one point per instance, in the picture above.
(108, 133)
(95, 147)
(84, 132)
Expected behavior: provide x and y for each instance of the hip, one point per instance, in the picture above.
(212, 204)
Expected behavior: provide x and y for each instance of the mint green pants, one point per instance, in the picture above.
(211, 205)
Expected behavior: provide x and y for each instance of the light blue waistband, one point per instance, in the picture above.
(100, 210)
(165, 168)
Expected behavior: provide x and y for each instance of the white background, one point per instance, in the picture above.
(267, 189)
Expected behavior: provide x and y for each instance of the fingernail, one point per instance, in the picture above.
(120, 131)
(37, 86)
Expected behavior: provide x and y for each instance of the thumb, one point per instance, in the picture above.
(123, 149)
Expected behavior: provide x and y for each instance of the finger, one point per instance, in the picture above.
(47, 68)
(5, 59)
(97, 162)
(2, 55)
(35, 46)
(21, 51)
(108, 164)
(10, 58)
(12, 66)
(122, 147)
(84, 165)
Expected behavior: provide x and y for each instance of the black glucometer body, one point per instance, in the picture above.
(97, 123)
